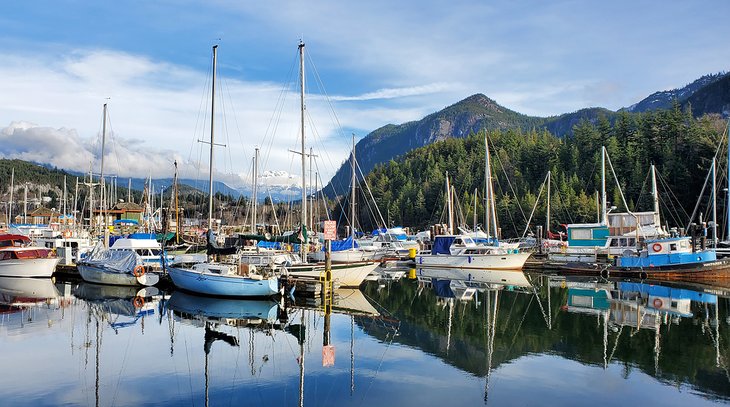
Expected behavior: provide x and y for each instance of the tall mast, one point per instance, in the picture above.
(547, 217)
(604, 214)
(352, 199)
(448, 204)
(304, 162)
(76, 201)
(65, 196)
(255, 189)
(655, 195)
(212, 140)
(491, 210)
(310, 192)
(177, 212)
(714, 202)
(101, 175)
(12, 186)
(475, 212)
(727, 237)
(487, 214)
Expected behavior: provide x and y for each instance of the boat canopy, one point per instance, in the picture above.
(442, 244)
(345, 244)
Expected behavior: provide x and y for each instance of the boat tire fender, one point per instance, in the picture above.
(656, 247)
(657, 303)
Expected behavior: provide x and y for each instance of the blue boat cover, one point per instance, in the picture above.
(442, 245)
(339, 245)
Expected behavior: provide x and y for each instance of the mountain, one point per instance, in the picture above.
(477, 112)
(664, 99)
(712, 98)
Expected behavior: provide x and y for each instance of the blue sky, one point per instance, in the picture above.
(380, 62)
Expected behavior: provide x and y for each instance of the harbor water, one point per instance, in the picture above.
(529, 339)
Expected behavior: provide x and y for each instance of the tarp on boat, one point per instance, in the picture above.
(345, 244)
(113, 261)
(442, 245)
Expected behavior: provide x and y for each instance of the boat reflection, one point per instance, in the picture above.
(642, 326)
(483, 279)
(119, 306)
(27, 301)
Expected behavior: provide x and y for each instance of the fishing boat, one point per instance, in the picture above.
(19, 258)
(216, 278)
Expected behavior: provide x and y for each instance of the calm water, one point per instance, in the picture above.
(538, 341)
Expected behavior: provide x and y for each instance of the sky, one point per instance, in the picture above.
(367, 64)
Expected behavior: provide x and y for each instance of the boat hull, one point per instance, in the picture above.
(513, 261)
(97, 274)
(222, 285)
(343, 274)
(41, 267)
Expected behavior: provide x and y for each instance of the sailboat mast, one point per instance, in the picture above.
(212, 140)
(727, 237)
(255, 189)
(12, 186)
(448, 204)
(487, 202)
(547, 215)
(352, 199)
(604, 214)
(655, 195)
(76, 202)
(491, 210)
(475, 212)
(714, 202)
(177, 212)
(304, 161)
(65, 197)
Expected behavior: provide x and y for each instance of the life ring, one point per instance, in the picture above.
(657, 303)
(138, 302)
(656, 247)
(67, 234)
(138, 270)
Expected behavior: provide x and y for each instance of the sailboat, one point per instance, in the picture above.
(461, 251)
(348, 274)
(348, 250)
(215, 278)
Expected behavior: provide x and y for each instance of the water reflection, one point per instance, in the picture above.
(494, 338)
(677, 334)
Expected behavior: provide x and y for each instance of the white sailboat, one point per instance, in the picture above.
(347, 274)
(214, 278)
(461, 251)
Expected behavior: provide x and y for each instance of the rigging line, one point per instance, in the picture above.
(275, 119)
(672, 204)
(537, 200)
(519, 327)
(504, 171)
(371, 194)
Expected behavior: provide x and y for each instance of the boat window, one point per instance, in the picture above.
(674, 304)
(672, 246)
(155, 252)
(632, 242)
(581, 234)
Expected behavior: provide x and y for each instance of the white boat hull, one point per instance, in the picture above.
(97, 274)
(223, 285)
(43, 267)
(345, 256)
(343, 274)
(512, 261)
(501, 277)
